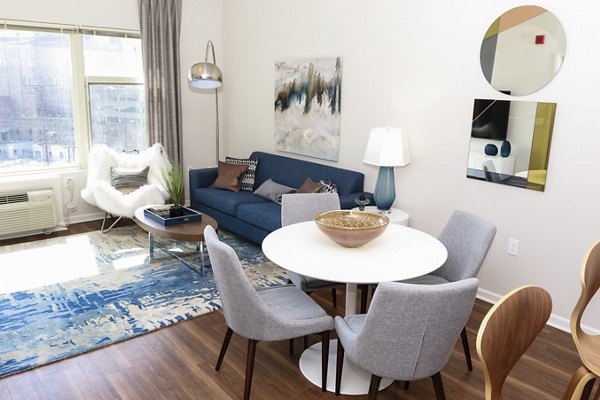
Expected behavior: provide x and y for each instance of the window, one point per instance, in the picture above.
(62, 90)
(113, 69)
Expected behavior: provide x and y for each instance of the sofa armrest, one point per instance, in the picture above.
(202, 178)
(347, 201)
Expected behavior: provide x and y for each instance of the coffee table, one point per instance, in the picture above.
(188, 232)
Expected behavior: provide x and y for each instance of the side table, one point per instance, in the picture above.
(396, 215)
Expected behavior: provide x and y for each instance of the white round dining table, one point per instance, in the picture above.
(399, 253)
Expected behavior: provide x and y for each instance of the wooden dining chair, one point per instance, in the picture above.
(588, 346)
(507, 331)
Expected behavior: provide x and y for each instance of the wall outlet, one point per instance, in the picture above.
(513, 247)
(69, 182)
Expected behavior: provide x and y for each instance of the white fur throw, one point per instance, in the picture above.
(99, 192)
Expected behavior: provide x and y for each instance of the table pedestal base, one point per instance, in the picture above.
(355, 380)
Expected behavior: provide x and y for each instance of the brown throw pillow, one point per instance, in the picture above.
(309, 186)
(229, 176)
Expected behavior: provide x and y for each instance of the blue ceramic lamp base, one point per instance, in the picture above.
(385, 189)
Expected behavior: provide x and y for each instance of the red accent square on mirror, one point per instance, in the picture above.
(539, 39)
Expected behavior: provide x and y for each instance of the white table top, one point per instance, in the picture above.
(399, 253)
(395, 215)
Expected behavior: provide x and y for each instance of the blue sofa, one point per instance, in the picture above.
(254, 217)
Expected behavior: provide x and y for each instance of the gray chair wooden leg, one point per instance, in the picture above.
(465, 343)
(249, 367)
(437, 385)
(292, 347)
(224, 348)
(324, 359)
(374, 387)
(334, 297)
(364, 298)
(338, 367)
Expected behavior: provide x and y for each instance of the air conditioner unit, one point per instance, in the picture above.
(27, 211)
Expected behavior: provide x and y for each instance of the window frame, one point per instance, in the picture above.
(80, 85)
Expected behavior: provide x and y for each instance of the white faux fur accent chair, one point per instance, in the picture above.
(99, 191)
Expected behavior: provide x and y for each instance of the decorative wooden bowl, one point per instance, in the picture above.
(351, 228)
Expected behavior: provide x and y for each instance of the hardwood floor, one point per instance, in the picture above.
(178, 363)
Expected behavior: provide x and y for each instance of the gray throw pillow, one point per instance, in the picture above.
(273, 191)
(128, 179)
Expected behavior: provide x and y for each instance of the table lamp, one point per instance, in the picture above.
(387, 148)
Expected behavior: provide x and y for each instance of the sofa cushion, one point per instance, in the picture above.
(266, 215)
(228, 177)
(224, 200)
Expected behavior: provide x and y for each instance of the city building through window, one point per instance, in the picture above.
(61, 92)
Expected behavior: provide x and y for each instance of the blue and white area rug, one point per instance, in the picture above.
(64, 296)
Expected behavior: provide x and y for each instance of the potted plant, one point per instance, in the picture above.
(173, 179)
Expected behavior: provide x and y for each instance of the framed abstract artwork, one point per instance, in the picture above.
(308, 106)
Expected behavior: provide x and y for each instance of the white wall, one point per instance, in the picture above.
(416, 65)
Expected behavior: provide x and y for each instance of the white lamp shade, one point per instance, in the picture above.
(387, 147)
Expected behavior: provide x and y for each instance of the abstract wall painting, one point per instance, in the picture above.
(308, 106)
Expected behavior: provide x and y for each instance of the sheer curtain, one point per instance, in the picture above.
(160, 25)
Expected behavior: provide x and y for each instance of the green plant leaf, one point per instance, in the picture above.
(173, 179)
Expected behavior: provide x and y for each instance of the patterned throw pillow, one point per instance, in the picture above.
(247, 180)
(327, 186)
(128, 179)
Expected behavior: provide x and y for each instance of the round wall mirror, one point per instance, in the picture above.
(522, 50)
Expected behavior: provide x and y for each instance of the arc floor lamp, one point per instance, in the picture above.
(205, 75)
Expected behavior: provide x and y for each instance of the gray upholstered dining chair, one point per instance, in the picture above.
(269, 314)
(467, 238)
(302, 207)
(412, 344)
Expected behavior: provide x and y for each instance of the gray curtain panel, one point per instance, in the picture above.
(160, 25)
